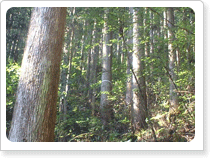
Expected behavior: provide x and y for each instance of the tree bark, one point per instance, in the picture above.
(172, 59)
(35, 108)
(139, 86)
(93, 77)
(129, 66)
(142, 94)
(106, 75)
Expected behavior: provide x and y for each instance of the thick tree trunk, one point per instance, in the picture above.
(35, 108)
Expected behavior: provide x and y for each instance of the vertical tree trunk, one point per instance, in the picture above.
(89, 59)
(106, 75)
(151, 44)
(147, 52)
(64, 72)
(93, 63)
(166, 35)
(143, 96)
(82, 47)
(70, 55)
(129, 66)
(135, 111)
(119, 52)
(35, 108)
(139, 86)
(172, 59)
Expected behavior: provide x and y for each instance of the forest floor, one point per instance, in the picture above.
(181, 130)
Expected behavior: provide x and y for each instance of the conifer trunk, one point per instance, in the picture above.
(172, 59)
(106, 75)
(35, 108)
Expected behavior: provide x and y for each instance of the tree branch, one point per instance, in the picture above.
(170, 21)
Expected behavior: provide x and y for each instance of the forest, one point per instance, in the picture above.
(100, 74)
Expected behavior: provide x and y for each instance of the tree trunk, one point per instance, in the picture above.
(139, 86)
(106, 75)
(166, 36)
(152, 48)
(64, 72)
(93, 77)
(35, 108)
(143, 96)
(172, 59)
(135, 112)
(89, 59)
(129, 67)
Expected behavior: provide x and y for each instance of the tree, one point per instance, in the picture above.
(139, 87)
(35, 108)
(129, 65)
(142, 83)
(106, 74)
(122, 69)
(94, 59)
(172, 59)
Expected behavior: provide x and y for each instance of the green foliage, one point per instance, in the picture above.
(12, 77)
(17, 23)
(82, 122)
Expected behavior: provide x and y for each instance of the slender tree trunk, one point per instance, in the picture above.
(93, 63)
(139, 87)
(135, 111)
(129, 67)
(147, 53)
(172, 59)
(89, 60)
(64, 73)
(166, 36)
(82, 47)
(35, 108)
(72, 48)
(119, 52)
(151, 44)
(143, 96)
(71, 51)
(105, 108)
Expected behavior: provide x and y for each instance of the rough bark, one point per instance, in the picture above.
(35, 108)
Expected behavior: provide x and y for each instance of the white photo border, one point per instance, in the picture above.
(195, 144)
